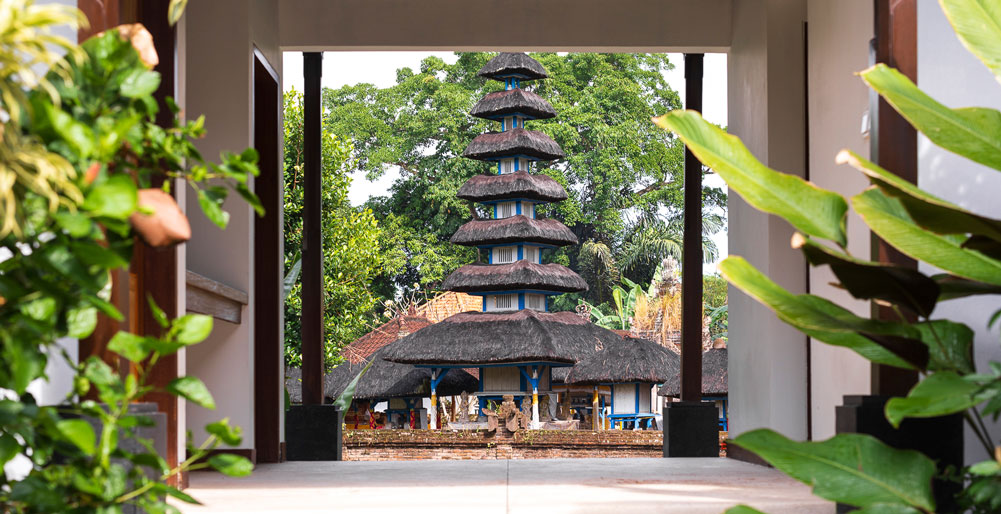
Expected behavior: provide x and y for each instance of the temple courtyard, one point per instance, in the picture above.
(706, 485)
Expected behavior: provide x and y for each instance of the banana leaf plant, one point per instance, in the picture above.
(856, 469)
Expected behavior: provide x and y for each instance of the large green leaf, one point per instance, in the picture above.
(978, 25)
(953, 287)
(812, 210)
(854, 469)
(973, 132)
(950, 345)
(231, 465)
(890, 221)
(887, 508)
(191, 328)
(742, 509)
(820, 318)
(925, 209)
(193, 390)
(131, 346)
(937, 395)
(344, 400)
(78, 432)
(115, 198)
(871, 280)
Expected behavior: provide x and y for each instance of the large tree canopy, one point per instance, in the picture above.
(623, 174)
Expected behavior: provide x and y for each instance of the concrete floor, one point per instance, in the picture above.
(487, 487)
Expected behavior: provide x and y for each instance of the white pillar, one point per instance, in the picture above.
(535, 398)
(433, 413)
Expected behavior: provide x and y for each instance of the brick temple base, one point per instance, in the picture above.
(376, 445)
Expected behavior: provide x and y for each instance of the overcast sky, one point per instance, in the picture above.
(379, 68)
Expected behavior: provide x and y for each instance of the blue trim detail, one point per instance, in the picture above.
(517, 208)
(637, 398)
(436, 381)
(484, 304)
(521, 301)
(495, 205)
(521, 252)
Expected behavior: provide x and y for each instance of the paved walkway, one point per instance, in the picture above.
(487, 487)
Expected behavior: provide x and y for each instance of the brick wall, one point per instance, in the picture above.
(374, 445)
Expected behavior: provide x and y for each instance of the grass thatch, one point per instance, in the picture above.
(522, 274)
(518, 141)
(714, 375)
(513, 101)
(477, 338)
(520, 184)
(508, 64)
(516, 229)
(627, 360)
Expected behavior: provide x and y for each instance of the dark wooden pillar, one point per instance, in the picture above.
(691, 257)
(312, 253)
(268, 263)
(895, 148)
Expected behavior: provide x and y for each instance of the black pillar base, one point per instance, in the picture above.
(313, 432)
(691, 429)
(941, 439)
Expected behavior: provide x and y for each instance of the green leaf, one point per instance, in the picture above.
(344, 400)
(978, 25)
(887, 508)
(8, 448)
(810, 209)
(81, 321)
(140, 82)
(890, 221)
(231, 465)
(115, 198)
(928, 211)
(78, 432)
(175, 10)
(819, 318)
(158, 314)
(192, 389)
(973, 132)
(131, 346)
(176, 493)
(211, 203)
(41, 309)
(98, 372)
(953, 287)
(950, 345)
(854, 469)
(986, 468)
(229, 435)
(191, 328)
(870, 280)
(939, 394)
(74, 223)
(93, 254)
(742, 509)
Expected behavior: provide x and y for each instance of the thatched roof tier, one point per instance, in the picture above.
(515, 229)
(385, 379)
(483, 338)
(513, 64)
(520, 184)
(513, 101)
(518, 275)
(510, 143)
(714, 375)
(628, 360)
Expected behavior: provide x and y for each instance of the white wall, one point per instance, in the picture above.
(953, 76)
(220, 38)
(767, 375)
(838, 45)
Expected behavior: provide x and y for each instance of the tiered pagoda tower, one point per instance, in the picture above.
(513, 278)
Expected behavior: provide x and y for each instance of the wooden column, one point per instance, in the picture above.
(312, 253)
(691, 257)
(895, 148)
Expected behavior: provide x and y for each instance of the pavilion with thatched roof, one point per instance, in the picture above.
(714, 382)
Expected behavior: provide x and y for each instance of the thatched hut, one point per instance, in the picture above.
(519, 184)
(520, 275)
(494, 146)
(714, 382)
(518, 228)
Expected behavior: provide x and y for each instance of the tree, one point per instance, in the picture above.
(352, 255)
(623, 175)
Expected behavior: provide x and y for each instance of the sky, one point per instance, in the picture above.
(379, 68)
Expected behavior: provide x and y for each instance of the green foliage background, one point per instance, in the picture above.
(355, 251)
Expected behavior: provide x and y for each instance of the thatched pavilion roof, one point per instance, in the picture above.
(714, 375)
(512, 64)
(387, 379)
(627, 360)
(477, 338)
(517, 141)
(513, 101)
(515, 229)
(520, 184)
(517, 275)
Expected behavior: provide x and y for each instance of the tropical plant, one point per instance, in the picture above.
(80, 156)
(856, 469)
(353, 245)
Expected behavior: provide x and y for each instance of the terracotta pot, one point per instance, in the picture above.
(159, 221)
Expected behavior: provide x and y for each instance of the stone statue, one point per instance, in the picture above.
(463, 407)
(508, 414)
(563, 412)
(526, 408)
